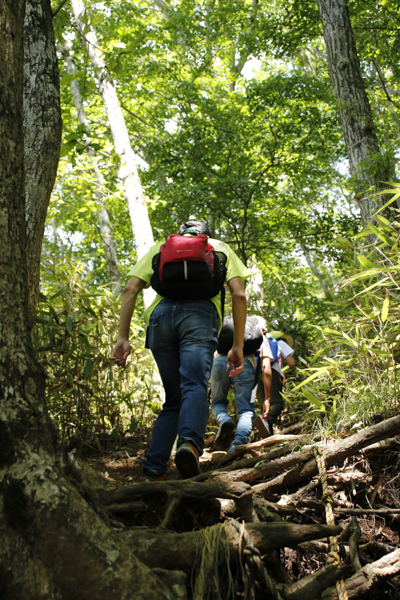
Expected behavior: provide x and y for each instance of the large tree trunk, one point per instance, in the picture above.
(140, 221)
(53, 544)
(113, 272)
(367, 165)
(42, 133)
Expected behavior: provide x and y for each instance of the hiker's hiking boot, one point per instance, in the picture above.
(223, 438)
(152, 478)
(263, 426)
(187, 461)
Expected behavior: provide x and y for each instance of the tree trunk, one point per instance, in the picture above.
(53, 544)
(42, 133)
(316, 272)
(141, 226)
(113, 272)
(369, 168)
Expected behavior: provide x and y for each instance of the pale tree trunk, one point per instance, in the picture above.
(53, 544)
(316, 272)
(141, 228)
(113, 272)
(367, 165)
(42, 133)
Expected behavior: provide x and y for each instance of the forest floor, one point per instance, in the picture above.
(368, 480)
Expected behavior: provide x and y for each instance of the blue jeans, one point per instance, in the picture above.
(243, 384)
(183, 336)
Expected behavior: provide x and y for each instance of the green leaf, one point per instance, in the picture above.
(317, 373)
(44, 320)
(67, 147)
(87, 371)
(314, 400)
(367, 264)
(133, 425)
(385, 309)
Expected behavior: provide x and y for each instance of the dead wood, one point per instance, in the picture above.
(264, 469)
(295, 427)
(273, 563)
(171, 494)
(382, 447)
(377, 548)
(263, 512)
(333, 453)
(246, 462)
(188, 488)
(122, 507)
(273, 439)
(272, 508)
(383, 512)
(313, 585)
(354, 530)
(363, 583)
(172, 550)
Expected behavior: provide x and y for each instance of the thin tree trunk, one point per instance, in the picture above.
(141, 227)
(113, 272)
(367, 165)
(42, 133)
(317, 273)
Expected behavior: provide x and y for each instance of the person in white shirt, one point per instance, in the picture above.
(273, 351)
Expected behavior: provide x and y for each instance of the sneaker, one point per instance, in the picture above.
(152, 478)
(232, 447)
(263, 426)
(187, 461)
(223, 437)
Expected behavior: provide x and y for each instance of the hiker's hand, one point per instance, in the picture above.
(121, 352)
(235, 361)
(266, 408)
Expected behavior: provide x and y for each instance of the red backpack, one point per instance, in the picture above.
(188, 268)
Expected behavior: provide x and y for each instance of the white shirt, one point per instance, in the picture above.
(284, 350)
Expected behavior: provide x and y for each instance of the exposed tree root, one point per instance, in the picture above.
(155, 547)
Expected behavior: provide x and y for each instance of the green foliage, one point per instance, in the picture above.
(353, 375)
(76, 331)
(260, 157)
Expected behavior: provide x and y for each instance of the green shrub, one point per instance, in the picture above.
(354, 374)
(76, 330)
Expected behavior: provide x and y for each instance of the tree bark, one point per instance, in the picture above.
(368, 166)
(141, 227)
(53, 544)
(113, 272)
(42, 133)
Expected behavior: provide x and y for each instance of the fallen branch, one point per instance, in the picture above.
(369, 578)
(383, 512)
(333, 454)
(232, 491)
(245, 463)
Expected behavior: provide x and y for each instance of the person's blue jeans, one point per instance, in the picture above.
(183, 336)
(243, 384)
